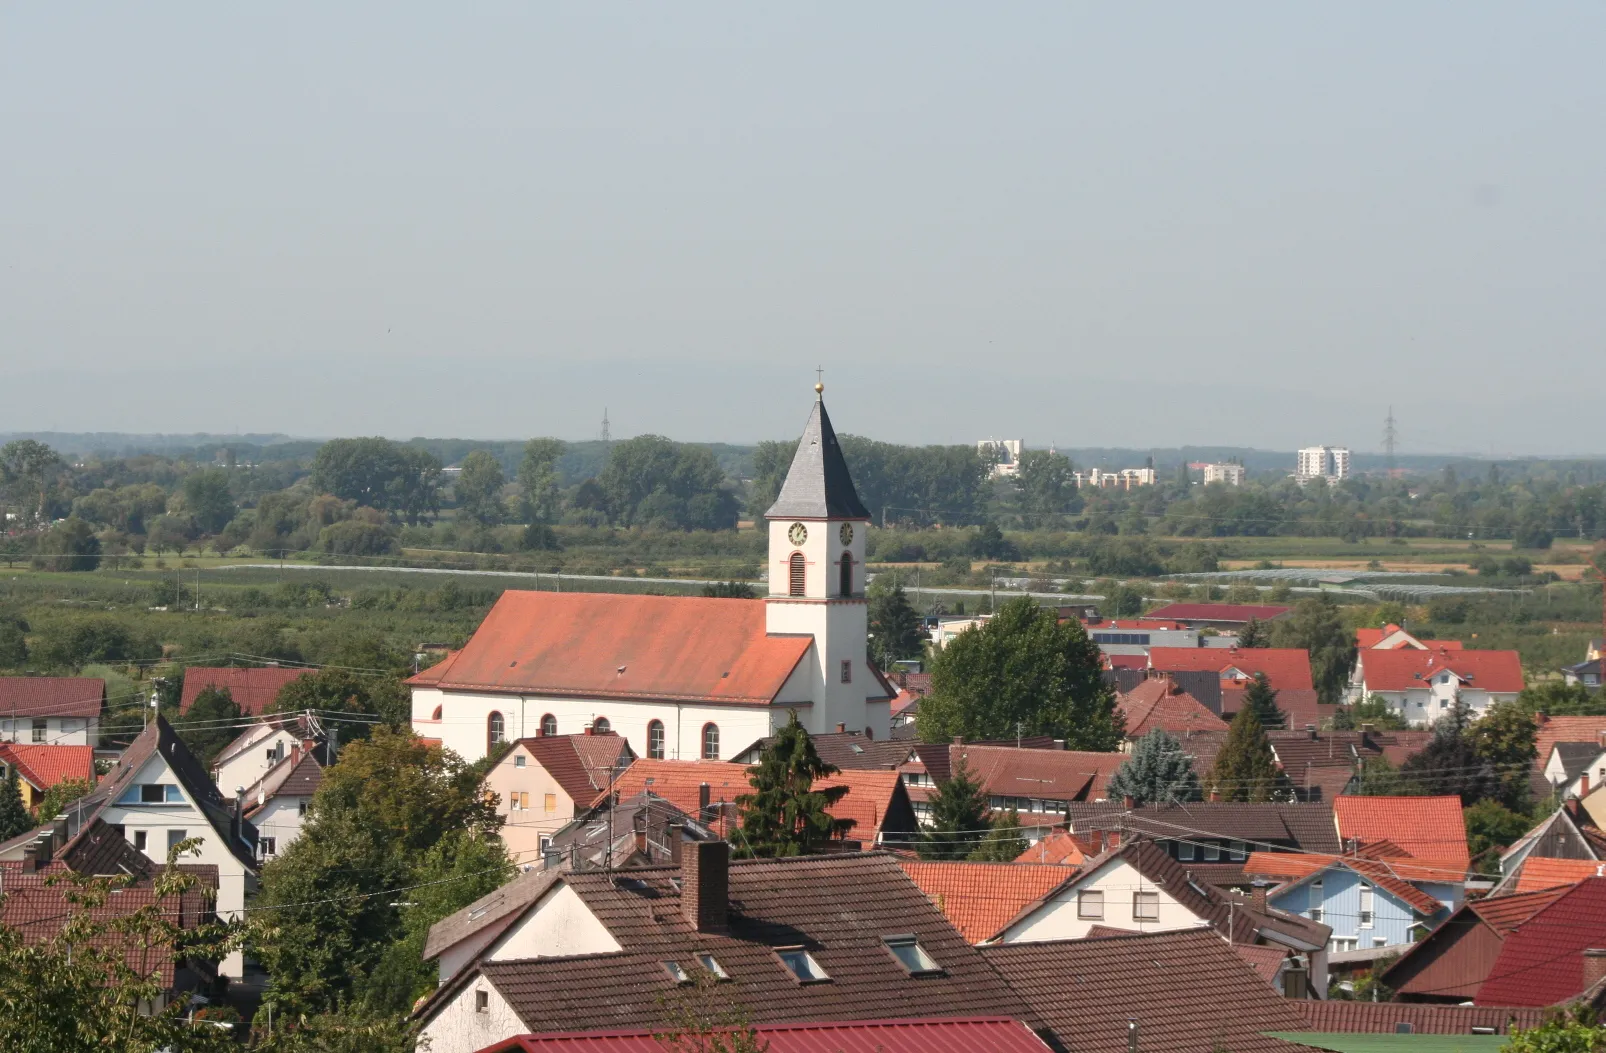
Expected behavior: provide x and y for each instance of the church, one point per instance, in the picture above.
(684, 677)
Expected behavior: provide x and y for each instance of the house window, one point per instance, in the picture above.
(40, 730)
(1090, 904)
(601, 726)
(519, 760)
(1185, 851)
(269, 846)
(437, 714)
(1367, 896)
(845, 584)
(301, 805)
(1379, 941)
(549, 724)
(676, 973)
(550, 802)
(802, 965)
(1212, 852)
(1235, 852)
(513, 800)
(1342, 944)
(152, 793)
(494, 727)
(1145, 906)
(1317, 896)
(911, 955)
(141, 837)
(482, 1001)
(174, 837)
(710, 742)
(795, 567)
(847, 670)
(709, 962)
(655, 739)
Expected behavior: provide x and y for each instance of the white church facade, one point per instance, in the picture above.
(684, 677)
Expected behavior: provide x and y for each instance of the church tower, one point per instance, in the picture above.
(816, 572)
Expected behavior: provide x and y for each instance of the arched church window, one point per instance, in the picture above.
(549, 724)
(494, 729)
(601, 726)
(797, 567)
(846, 585)
(710, 742)
(655, 739)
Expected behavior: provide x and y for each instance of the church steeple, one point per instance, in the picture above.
(818, 485)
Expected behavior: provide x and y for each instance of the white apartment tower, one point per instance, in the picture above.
(1324, 462)
(1231, 474)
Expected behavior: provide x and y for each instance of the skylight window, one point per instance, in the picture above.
(709, 962)
(802, 965)
(911, 955)
(676, 973)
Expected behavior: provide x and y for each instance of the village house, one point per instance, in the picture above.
(994, 1034)
(684, 678)
(1449, 964)
(545, 781)
(262, 745)
(39, 768)
(1039, 783)
(1160, 703)
(51, 710)
(1286, 669)
(277, 804)
(253, 689)
(1421, 686)
(1375, 902)
(1393, 638)
(1212, 839)
(637, 831)
(1555, 955)
(1229, 617)
(981, 898)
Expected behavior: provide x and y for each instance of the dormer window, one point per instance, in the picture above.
(676, 973)
(802, 965)
(709, 962)
(910, 955)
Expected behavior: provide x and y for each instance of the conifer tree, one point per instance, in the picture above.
(1245, 769)
(785, 815)
(1254, 634)
(1260, 697)
(1158, 772)
(958, 818)
(13, 816)
(1003, 843)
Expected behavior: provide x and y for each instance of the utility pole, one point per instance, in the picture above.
(1390, 437)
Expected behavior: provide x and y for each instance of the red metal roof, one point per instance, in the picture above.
(1430, 829)
(597, 645)
(1219, 612)
(980, 898)
(253, 690)
(958, 1035)
(1542, 962)
(1409, 669)
(1285, 667)
(51, 696)
(45, 766)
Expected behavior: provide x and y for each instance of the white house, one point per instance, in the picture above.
(277, 804)
(683, 677)
(260, 747)
(1422, 685)
(159, 795)
(51, 710)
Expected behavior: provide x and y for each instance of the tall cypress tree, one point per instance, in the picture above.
(1263, 700)
(1245, 769)
(958, 818)
(785, 815)
(14, 819)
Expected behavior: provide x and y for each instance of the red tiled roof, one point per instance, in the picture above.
(1126, 661)
(45, 766)
(1431, 829)
(1410, 669)
(1542, 962)
(39, 912)
(1219, 612)
(1365, 637)
(980, 898)
(1265, 959)
(600, 645)
(1158, 703)
(1504, 913)
(582, 764)
(1133, 624)
(253, 690)
(1061, 848)
(1566, 729)
(51, 696)
(961, 1035)
(1058, 775)
(1373, 1018)
(1285, 667)
(1539, 872)
(1391, 876)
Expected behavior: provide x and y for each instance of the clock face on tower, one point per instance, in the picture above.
(846, 533)
(797, 534)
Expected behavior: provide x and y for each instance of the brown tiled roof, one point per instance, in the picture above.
(848, 750)
(838, 907)
(1160, 703)
(253, 690)
(1048, 774)
(1187, 991)
(1266, 960)
(293, 775)
(51, 696)
(1385, 1017)
(1307, 827)
(993, 1034)
(582, 765)
(979, 898)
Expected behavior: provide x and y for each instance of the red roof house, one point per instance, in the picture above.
(981, 898)
(1158, 703)
(1452, 961)
(1541, 872)
(958, 1035)
(253, 690)
(1430, 830)
(51, 696)
(1284, 667)
(1409, 669)
(41, 767)
(1541, 963)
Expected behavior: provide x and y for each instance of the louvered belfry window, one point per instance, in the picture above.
(797, 565)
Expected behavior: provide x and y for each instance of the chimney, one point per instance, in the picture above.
(1311, 728)
(1594, 966)
(47, 847)
(959, 740)
(705, 885)
(58, 826)
(590, 730)
(638, 823)
(1129, 802)
(1602, 738)
(235, 826)
(841, 728)
(30, 859)
(1257, 897)
(1583, 785)
(677, 836)
(869, 732)
(702, 802)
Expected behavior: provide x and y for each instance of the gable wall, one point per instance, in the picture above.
(1057, 918)
(458, 1028)
(560, 924)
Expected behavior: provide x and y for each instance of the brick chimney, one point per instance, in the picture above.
(1215, 796)
(1594, 966)
(676, 836)
(841, 727)
(1257, 897)
(1583, 785)
(705, 885)
(1129, 802)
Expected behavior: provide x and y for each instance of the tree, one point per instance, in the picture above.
(1260, 697)
(26, 470)
(60, 797)
(785, 815)
(72, 643)
(1254, 634)
(1374, 710)
(1379, 778)
(1449, 764)
(167, 533)
(958, 818)
(1023, 672)
(479, 488)
(1491, 829)
(1158, 772)
(1315, 626)
(1555, 698)
(989, 542)
(1245, 769)
(1505, 737)
(1570, 1032)
(539, 479)
(730, 590)
(207, 499)
(1003, 843)
(211, 723)
(13, 640)
(652, 482)
(341, 691)
(380, 474)
(1047, 484)
(1532, 532)
(69, 545)
(356, 537)
(894, 625)
(14, 818)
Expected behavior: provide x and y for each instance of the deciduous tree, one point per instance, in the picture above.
(539, 479)
(1004, 843)
(1315, 626)
(479, 488)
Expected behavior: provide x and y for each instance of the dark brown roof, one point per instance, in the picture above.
(51, 696)
(838, 907)
(1187, 991)
(1307, 827)
(582, 765)
(1029, 771)
(847, 750)
(1385, 1017)
(295, 774)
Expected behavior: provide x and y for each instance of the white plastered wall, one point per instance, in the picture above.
(1057, 919)
(251, 763)
(460, 1028)
(559, 925)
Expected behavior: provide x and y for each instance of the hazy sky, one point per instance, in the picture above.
(1116, 224)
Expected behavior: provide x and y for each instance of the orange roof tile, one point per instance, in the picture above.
(1158, 703)
(1431, 829)
(1060, 847)
(981, 898)
(1566, 729)
(1504, 914)
(1541, 872)
(44, 766)
(1285, 667)
(1409, 669)
(599, 645)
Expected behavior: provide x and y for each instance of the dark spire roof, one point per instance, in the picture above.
(818, 485)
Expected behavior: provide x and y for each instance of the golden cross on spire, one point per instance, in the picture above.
(819, 380)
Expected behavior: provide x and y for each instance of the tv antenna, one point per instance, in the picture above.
(606, 435)
(1390, 439)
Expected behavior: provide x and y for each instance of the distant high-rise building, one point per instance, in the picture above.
(1231, 474)
(1004, 454)
(1324, 462)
